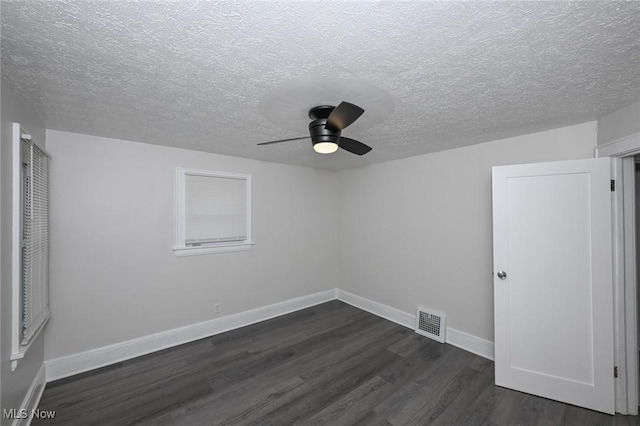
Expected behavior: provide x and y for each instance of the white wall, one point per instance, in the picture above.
(113, 274)
(621, 123)
(14, 385)
(418, 231)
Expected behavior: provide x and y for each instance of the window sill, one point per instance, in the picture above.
(218, 248)
(19, 351)
(18, 355)
(16, 358)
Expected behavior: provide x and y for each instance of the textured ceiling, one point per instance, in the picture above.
(223, 76)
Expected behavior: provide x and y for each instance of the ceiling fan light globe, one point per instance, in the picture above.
(325, 147)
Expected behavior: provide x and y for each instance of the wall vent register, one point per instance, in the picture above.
(431, 324)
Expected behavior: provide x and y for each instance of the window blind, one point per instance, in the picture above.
(215, 209)
(35, 240)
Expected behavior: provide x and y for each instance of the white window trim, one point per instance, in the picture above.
(18, 350)
(180, 248)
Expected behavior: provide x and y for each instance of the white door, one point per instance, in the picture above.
(553, 287)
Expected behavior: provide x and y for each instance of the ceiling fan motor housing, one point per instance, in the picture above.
(321, 134)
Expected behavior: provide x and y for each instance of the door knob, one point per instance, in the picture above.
(502, 275)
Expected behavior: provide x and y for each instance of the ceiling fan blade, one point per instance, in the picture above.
(342, 116)
(284, 140)
(353, 146)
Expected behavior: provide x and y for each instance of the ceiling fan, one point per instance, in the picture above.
(325, 127)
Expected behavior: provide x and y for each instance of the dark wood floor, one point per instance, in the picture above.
(327, 365)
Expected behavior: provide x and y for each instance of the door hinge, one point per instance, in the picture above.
(615, 372)
(613, 185)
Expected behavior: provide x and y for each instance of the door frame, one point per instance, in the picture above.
(624, 270)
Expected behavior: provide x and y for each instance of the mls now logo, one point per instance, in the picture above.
(14, 413)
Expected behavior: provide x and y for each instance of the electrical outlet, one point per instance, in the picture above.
(216, 308)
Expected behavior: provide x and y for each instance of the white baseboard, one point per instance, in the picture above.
(59, 368)
(454, 337)
(70, 365)
(376, 308)
(470, 343)
(32, 398)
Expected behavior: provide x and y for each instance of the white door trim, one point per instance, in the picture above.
(630, 340)
(623, 147)
(625, 309)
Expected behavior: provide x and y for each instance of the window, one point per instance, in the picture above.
(30, 243)
(213, 212)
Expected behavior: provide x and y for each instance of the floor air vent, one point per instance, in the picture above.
(431, 324)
